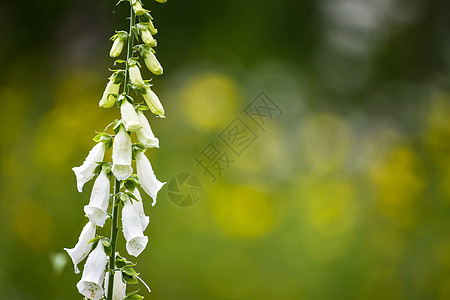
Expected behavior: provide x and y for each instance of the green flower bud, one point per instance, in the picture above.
(135, 76)
(151, 27)
(153, 102)
(109, 95)
(146, 36)
(152, 63)
(137, 7)
(161, 1)
(119, 41)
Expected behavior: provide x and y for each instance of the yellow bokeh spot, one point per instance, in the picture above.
(329, 209)
(326, 141)
(243, 211)
(33, 225)
(398, 182)
(437, 131)
(330, 206)
(209, 100)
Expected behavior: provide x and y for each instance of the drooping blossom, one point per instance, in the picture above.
(145, 134)
(132, 230)
(129, 115)
(97, 208)
(91, 281)
(119, 287)
(85, 172)
(147, 177)
(82, 248)
(121, 156)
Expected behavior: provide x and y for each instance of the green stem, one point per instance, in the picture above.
(115, 212)
(114, 230)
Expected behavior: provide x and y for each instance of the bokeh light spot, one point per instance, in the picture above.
(209, 100)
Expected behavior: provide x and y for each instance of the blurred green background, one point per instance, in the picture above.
(346, 195)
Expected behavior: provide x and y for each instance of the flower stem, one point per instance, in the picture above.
(115, 212)
(114, 230)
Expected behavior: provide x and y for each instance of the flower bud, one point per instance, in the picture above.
(98, 203)
(121, 156)
(132, 230)
(152, 63)
(129, 116)
(145, 134)
(147, 37)
(119, 41)
(135, 76)
(153, 102)
(151, 27)
(85, 172)
(83, 247)
(161, 1)
(147, 177)
(91, 281)
(137, 7)
(108, 98)
(119, 287)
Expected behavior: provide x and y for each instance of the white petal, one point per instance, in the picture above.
(132, 230)
(145, 134)
(122, 155)
(98, 204)
(91, 281)
(119, 289)
(129, 116)
(85, 172)
(147, 177)
(139, 207)
(122, 172)
(82, 248)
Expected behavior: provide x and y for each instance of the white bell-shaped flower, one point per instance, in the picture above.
(98, 204)
(91, 281)
(82, 248)
(121, 155)
(153, 102)
(132, 230)
(147, 177)
(145, 134)
(85, 172)
(152, 63)
(119, 288)
(135, 76)
(129, 116)
(139, 207)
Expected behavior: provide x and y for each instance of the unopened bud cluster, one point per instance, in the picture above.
(100, 252)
